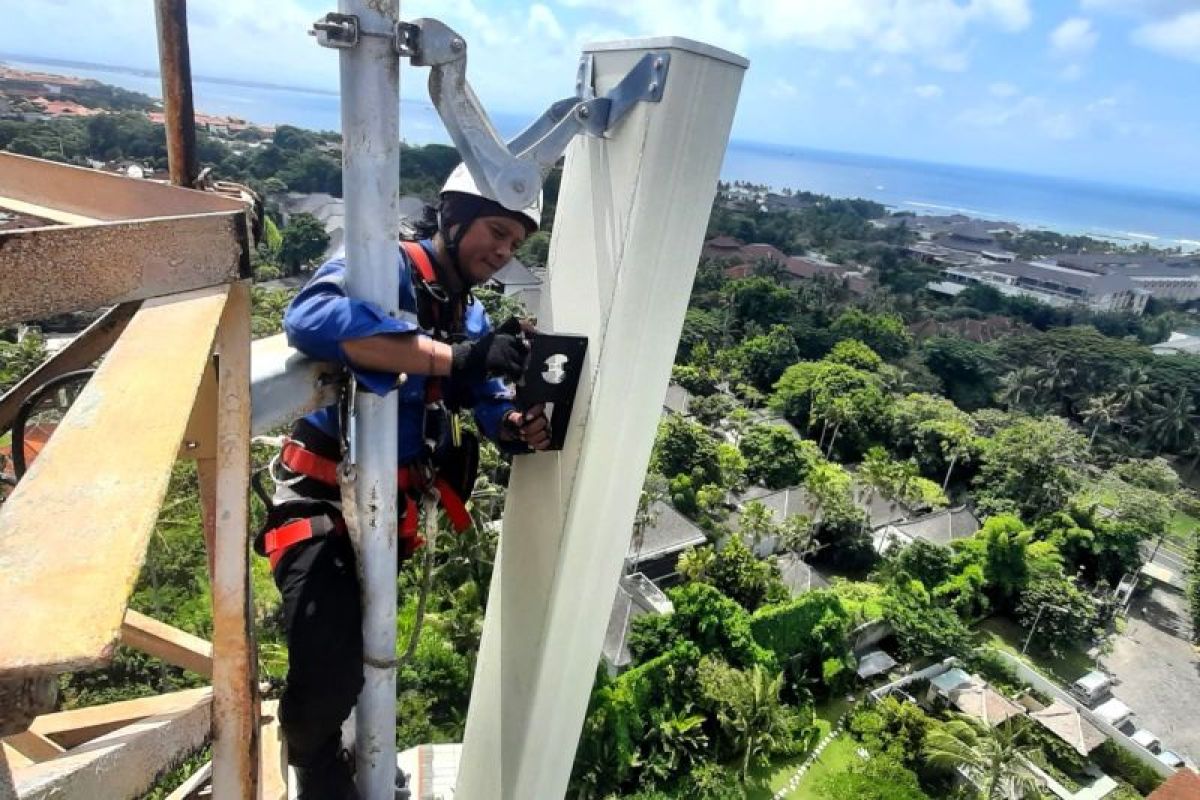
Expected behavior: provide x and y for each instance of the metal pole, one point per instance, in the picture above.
(1036, 618)
(1042, 607)
(370, 89)
(175, 64)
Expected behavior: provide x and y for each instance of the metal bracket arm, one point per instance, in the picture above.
(511, 173)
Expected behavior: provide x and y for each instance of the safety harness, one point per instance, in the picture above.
(413, 480)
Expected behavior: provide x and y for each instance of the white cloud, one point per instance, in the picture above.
(934, 31)
(1003, 89)
(1071, 72)
(928, 91)
(1178, 37)
(1073, 38)
(783, 89)
(845, 82)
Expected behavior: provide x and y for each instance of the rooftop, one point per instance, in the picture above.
(1183, 785)
(940, 527)
(984, 703)
(1065, 722)
(668, 532)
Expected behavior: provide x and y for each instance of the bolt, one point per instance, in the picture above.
(518, 186)
(457, 44)
(653, 86)
(658, 64)
(584, 112)
(190, 444)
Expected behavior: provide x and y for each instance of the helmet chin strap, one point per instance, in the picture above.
(452, 243)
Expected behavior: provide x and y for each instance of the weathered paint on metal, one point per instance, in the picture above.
(48, 271)
(74, 532)
(286, 384)
(235, 682)
(175, 66)
(45, 213)
(33, 746)
(93, 342)
(121, 764)
(78, 725)
(101, 195)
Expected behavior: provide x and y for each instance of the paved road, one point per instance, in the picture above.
(1171, 558)
(1158, 671)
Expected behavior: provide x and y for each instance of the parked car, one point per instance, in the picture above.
(1147, 740)
(1092, 688)
(1114, 712)
(1171, 759)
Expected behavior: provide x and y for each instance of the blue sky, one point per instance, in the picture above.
(1085, 88)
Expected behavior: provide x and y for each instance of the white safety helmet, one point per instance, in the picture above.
(461, 182)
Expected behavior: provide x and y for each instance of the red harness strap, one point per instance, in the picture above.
(277, 540)
(409, 480)
(424, 266)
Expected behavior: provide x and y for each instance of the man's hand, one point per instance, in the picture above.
(496, 354)
(530, 427)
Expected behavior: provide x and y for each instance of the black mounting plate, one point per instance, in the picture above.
(552, 376)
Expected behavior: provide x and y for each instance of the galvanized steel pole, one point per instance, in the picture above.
(370, 87)
(175, 64)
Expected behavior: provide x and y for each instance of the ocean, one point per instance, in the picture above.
(1127, 214)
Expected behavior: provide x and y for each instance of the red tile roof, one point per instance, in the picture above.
(1183, 785)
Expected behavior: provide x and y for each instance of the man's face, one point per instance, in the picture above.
(489, 245)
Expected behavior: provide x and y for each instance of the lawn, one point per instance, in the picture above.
(1004, 634)
(772, 778)
(1183, 527)
(838, 757)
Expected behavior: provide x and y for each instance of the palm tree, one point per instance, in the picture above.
(675, 741)
(695, 562)
(993, 758)
(876, 472)
(1100, 412)
(1016, 385)
(1133, 390)
(757, 717)
(797, 535)
(757, 523)
(957, 445)
(1058, 381)
(1171, 421)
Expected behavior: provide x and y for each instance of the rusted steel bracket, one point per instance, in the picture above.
(110, 239)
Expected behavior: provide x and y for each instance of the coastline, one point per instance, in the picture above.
(1125, 215)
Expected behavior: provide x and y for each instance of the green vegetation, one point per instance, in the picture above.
(1058, 435)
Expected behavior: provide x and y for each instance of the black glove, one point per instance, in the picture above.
(501, 353)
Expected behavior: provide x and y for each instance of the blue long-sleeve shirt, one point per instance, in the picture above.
(321, 317)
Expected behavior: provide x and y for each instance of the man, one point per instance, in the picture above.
(440, 355)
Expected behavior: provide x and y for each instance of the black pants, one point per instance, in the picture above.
(322, 617)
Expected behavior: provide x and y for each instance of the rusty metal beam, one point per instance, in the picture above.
(120, 764)
(49, 271)
(175, 64)
(235, 683)
(82, 351)
(101, 195)
(79, 725)
(75, 530)
(163, 641)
